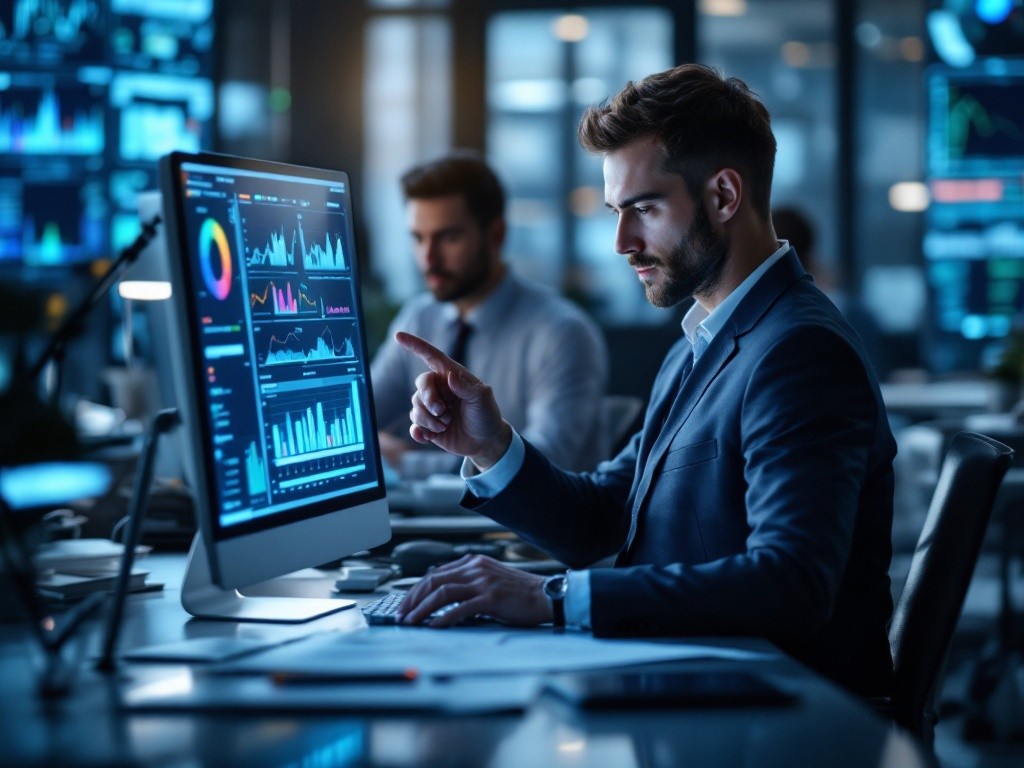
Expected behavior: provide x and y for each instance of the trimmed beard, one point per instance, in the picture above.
(693, 268)
(460, 286)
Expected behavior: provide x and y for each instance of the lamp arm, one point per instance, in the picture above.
(162, 422)
(72, 323)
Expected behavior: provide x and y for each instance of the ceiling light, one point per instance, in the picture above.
(908, 196)
(722, 7)
(796, 54)
(571, 27)
(912, 48)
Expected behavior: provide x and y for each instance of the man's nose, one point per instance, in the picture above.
(626, 239)
(429, 253)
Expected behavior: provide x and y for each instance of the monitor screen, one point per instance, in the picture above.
(272, 364)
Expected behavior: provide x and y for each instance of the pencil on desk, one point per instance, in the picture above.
(408, 675)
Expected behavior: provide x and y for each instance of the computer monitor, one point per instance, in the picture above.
(271, 378)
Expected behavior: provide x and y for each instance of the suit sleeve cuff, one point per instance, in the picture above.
(577, 601)
(496, 478)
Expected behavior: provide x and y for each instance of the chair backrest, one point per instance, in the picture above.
(620, 414)
(940, 572)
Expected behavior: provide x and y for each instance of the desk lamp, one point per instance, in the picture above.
(137, 289)
(146, 281)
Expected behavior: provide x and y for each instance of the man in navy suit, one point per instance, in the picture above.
(757, 499)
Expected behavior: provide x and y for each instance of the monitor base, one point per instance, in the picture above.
(206, 600)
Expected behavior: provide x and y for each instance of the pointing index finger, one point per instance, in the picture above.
(438, 361)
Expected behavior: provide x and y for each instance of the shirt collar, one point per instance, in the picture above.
(491, 309)
(699, 322)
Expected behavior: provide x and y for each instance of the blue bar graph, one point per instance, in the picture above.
(319, 430)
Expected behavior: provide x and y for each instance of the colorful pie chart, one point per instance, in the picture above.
(212, 242)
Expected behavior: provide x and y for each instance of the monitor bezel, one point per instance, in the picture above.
(234, 550)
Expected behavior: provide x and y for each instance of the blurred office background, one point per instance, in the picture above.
(900, 126)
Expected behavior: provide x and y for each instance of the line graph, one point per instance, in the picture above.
(45, 122)
(293, 347)
(50, 18)
(56, 30)
(329, 298)
(982, 123)
(285, 300)
(281, 244)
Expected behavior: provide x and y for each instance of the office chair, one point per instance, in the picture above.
(924, 619)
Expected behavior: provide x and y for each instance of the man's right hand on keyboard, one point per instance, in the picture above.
(476, 585)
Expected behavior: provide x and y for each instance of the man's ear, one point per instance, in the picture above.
(723, 194)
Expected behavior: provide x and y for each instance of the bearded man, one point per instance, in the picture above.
(546, 357)
(757, 499)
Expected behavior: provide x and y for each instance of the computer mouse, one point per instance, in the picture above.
(416, 557)
(493, 549)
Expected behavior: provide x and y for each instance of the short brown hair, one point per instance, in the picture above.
(462, 173)
(703, 121)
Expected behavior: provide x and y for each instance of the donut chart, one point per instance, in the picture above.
(211, 238)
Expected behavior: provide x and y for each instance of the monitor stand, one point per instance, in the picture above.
(206, 600)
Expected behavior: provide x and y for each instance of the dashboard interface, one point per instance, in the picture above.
(274, 318)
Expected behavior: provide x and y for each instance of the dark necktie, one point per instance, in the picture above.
(462, 332)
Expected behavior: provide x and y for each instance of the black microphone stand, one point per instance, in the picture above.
(72, 324)
(51, 636)
(162, 422)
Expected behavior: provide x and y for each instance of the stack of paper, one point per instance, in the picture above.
(73, 568)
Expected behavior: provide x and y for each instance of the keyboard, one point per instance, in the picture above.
(384, 610)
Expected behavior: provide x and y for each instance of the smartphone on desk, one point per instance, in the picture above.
(650, 689)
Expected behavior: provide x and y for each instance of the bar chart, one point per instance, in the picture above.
(323, 428)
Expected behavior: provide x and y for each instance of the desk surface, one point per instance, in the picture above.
(442, 526)
(942, 398)
(825, 727)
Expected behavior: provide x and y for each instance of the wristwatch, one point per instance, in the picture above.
(555, 588)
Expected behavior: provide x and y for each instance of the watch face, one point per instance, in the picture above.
(555, 587)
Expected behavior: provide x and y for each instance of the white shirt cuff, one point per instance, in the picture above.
(577, 600)
(496, 478)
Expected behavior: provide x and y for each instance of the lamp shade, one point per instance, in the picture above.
(148, 277)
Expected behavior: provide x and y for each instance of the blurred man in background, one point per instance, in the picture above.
(545, 359)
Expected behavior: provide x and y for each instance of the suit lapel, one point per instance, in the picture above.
(692, 388)
(677, 367)
(723, 347)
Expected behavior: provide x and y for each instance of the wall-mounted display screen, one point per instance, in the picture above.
(92, 92)
(974, 237)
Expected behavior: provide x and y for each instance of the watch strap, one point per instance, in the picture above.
(555, 589)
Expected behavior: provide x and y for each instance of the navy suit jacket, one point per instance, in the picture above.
(757, 499)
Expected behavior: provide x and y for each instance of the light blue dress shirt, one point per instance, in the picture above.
(544, 358)
(699, 328)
